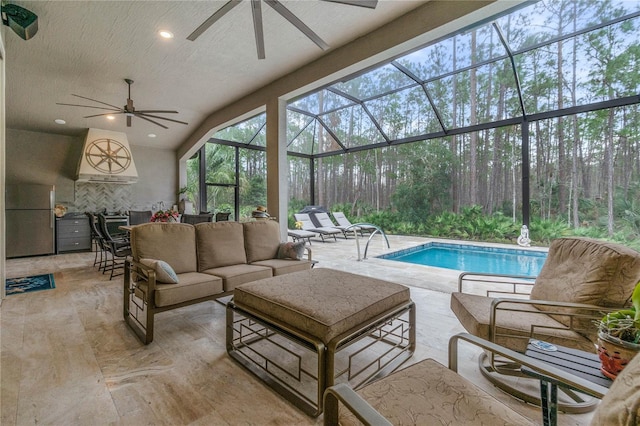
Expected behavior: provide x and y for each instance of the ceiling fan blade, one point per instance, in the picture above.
(256, 9)
(89, 106)
(93, 100)
(212, 19)
(128, 120)
(101, 115)
(138, 114)
(145, 118)
(161, 111)
(371, 4)
(289, 16)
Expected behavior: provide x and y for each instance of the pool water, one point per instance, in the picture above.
(471, 258)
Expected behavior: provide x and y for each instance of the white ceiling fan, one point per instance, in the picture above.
(256, 8)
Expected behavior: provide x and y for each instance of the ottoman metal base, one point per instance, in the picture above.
(300, 367)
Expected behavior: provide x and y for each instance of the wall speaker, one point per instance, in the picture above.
(22, 21)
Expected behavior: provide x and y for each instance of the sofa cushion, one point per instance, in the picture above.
(291, 250)
(585, 270)
(261, 240)
(190, 286)
(173, 243)
(323, 303)
(164, 271)
(428, 393)
(234, 275)
(513, 329)
(220, 244)
(285, 266)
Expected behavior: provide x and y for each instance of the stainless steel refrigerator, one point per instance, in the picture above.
(30, 222)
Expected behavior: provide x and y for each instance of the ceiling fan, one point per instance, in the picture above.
(127, 110)
(256, 9)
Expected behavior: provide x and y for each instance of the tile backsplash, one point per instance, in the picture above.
(93, 197)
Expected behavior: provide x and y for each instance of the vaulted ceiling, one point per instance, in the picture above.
(88, 48)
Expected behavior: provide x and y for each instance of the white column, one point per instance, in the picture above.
(277, 164)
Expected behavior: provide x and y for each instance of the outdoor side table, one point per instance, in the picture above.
(579, 363)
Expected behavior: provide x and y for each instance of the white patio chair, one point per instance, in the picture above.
(307, 225)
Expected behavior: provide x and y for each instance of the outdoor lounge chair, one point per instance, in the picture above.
(581, 279)
(430, 393)
(307, 225)
(325, 221)
(344, 222)
(300, 234)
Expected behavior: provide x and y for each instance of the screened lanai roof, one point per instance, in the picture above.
(512, 61)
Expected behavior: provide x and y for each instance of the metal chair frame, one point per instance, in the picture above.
(117, 248)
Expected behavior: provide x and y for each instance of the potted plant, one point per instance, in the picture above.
(619, 337)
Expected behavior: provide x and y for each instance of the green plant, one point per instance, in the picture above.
(624, 324)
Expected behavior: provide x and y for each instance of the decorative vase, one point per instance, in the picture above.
(614, 354)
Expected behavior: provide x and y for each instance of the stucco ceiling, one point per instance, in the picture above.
(88, 48)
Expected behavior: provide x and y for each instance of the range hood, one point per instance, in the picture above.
(106, 158)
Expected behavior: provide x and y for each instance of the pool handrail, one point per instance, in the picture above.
(355, 233)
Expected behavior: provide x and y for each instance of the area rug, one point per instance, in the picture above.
(29, 284)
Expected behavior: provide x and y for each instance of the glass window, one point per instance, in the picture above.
(381, 80)
(251, 131)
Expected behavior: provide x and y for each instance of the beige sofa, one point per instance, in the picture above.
(178, 264)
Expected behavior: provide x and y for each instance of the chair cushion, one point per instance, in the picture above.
(323, 303)
(190, 286)
(513, 328)
(173, 243)
(621, 404)
(261, 240)
(428, 393)
(234, 275)
(220, 244)
(585, 270)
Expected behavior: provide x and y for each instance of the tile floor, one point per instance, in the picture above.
(69, 359)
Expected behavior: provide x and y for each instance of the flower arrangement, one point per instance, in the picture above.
(298, 225)
(165, 216)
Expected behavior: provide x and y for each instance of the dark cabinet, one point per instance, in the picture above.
(73, 234)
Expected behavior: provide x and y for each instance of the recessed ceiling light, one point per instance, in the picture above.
(165, 34)
(110, 117)
(59, 121)
(152, 135)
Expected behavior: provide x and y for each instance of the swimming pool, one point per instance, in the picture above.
(470, 258)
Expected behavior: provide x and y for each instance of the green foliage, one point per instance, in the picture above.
(425, 188)
(472, 224)
(255, 192)
(543, 231)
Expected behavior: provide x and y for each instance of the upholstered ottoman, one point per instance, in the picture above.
(302, 332)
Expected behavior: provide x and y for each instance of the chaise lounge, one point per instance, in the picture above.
(343, 222)
(325, 222)
(307, 225)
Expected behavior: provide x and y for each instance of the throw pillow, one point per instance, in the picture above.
(164, 272)
(291, 250)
